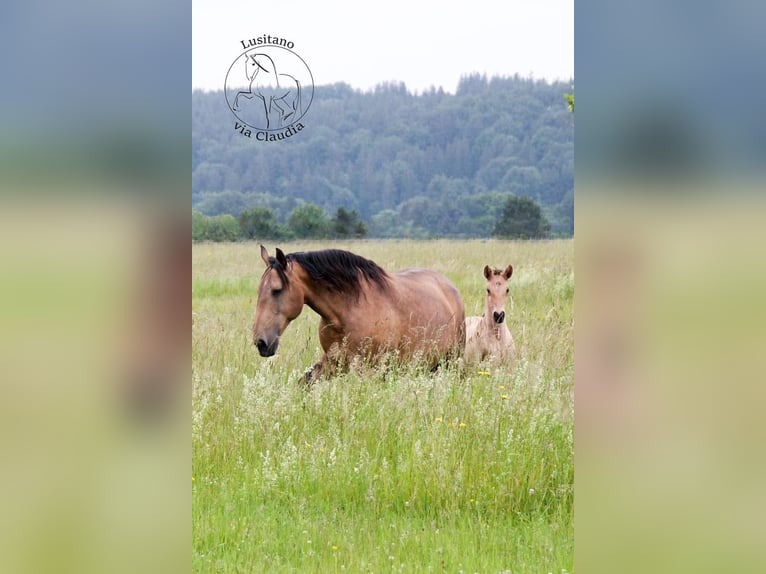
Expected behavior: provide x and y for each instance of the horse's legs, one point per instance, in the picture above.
(311, 376)
(266, 109)
(283, 115)
(248, 95)
(325, 367)
(281, 110)
(332, 362)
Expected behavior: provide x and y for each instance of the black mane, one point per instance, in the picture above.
(278, 268)
(340, 271)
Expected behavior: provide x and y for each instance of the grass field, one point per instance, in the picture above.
(386, 469)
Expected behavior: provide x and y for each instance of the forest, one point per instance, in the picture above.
(432, 164)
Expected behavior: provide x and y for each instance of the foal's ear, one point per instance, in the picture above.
(281, 259)
(487, 272)
(508, 272)
(265, 256)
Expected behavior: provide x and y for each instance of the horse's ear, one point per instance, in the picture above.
(281, 259)
(487, 272)
(508, 272)
(265, 256)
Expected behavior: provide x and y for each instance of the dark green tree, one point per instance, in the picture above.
(360, 229)
(199, 226)
(521, 218)
(219, 228)
(310, 221)
(258, 223)
(348, 224)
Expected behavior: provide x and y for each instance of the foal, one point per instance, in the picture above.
(488, 336)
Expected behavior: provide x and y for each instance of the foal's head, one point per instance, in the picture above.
(280, 300)
(497, 290)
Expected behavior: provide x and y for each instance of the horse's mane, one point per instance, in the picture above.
(278, 268)
(340, 271)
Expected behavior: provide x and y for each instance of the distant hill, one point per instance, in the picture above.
(431, 164)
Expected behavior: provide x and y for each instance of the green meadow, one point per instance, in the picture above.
(388, 468)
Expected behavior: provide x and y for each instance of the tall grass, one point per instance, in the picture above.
(388, 467)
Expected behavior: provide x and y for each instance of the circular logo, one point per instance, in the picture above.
(269, 87)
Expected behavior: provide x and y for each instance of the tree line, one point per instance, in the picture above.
(520, 218)
(306, 222)
(409, 165)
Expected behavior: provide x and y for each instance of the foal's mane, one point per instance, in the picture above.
(340, 271)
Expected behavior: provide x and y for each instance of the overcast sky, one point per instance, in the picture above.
(422, 44)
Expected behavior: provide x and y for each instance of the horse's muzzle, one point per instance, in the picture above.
(266, 349)
(499, 317)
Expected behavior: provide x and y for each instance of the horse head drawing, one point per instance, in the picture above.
(280, 94)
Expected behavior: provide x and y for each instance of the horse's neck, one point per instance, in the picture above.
(330, 306)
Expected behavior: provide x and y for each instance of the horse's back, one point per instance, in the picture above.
(417, 280)
(472, 337)
(428, 300)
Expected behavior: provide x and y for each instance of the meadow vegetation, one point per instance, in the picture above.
(388, 467)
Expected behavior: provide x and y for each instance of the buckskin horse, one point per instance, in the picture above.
(488, 335)
(364, 311)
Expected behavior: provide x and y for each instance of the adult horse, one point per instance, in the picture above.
(364, 311)
(488, 335)
(275, 90)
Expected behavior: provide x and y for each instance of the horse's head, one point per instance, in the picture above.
(255, 63)
(497, 291)
(280, 300)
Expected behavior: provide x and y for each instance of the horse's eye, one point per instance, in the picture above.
(507, 290)
(276, 292)
(487, 291)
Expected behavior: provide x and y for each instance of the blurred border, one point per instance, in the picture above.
(670, 244)
(94, 293)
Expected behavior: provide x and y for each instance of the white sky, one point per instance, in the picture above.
(422, 44)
